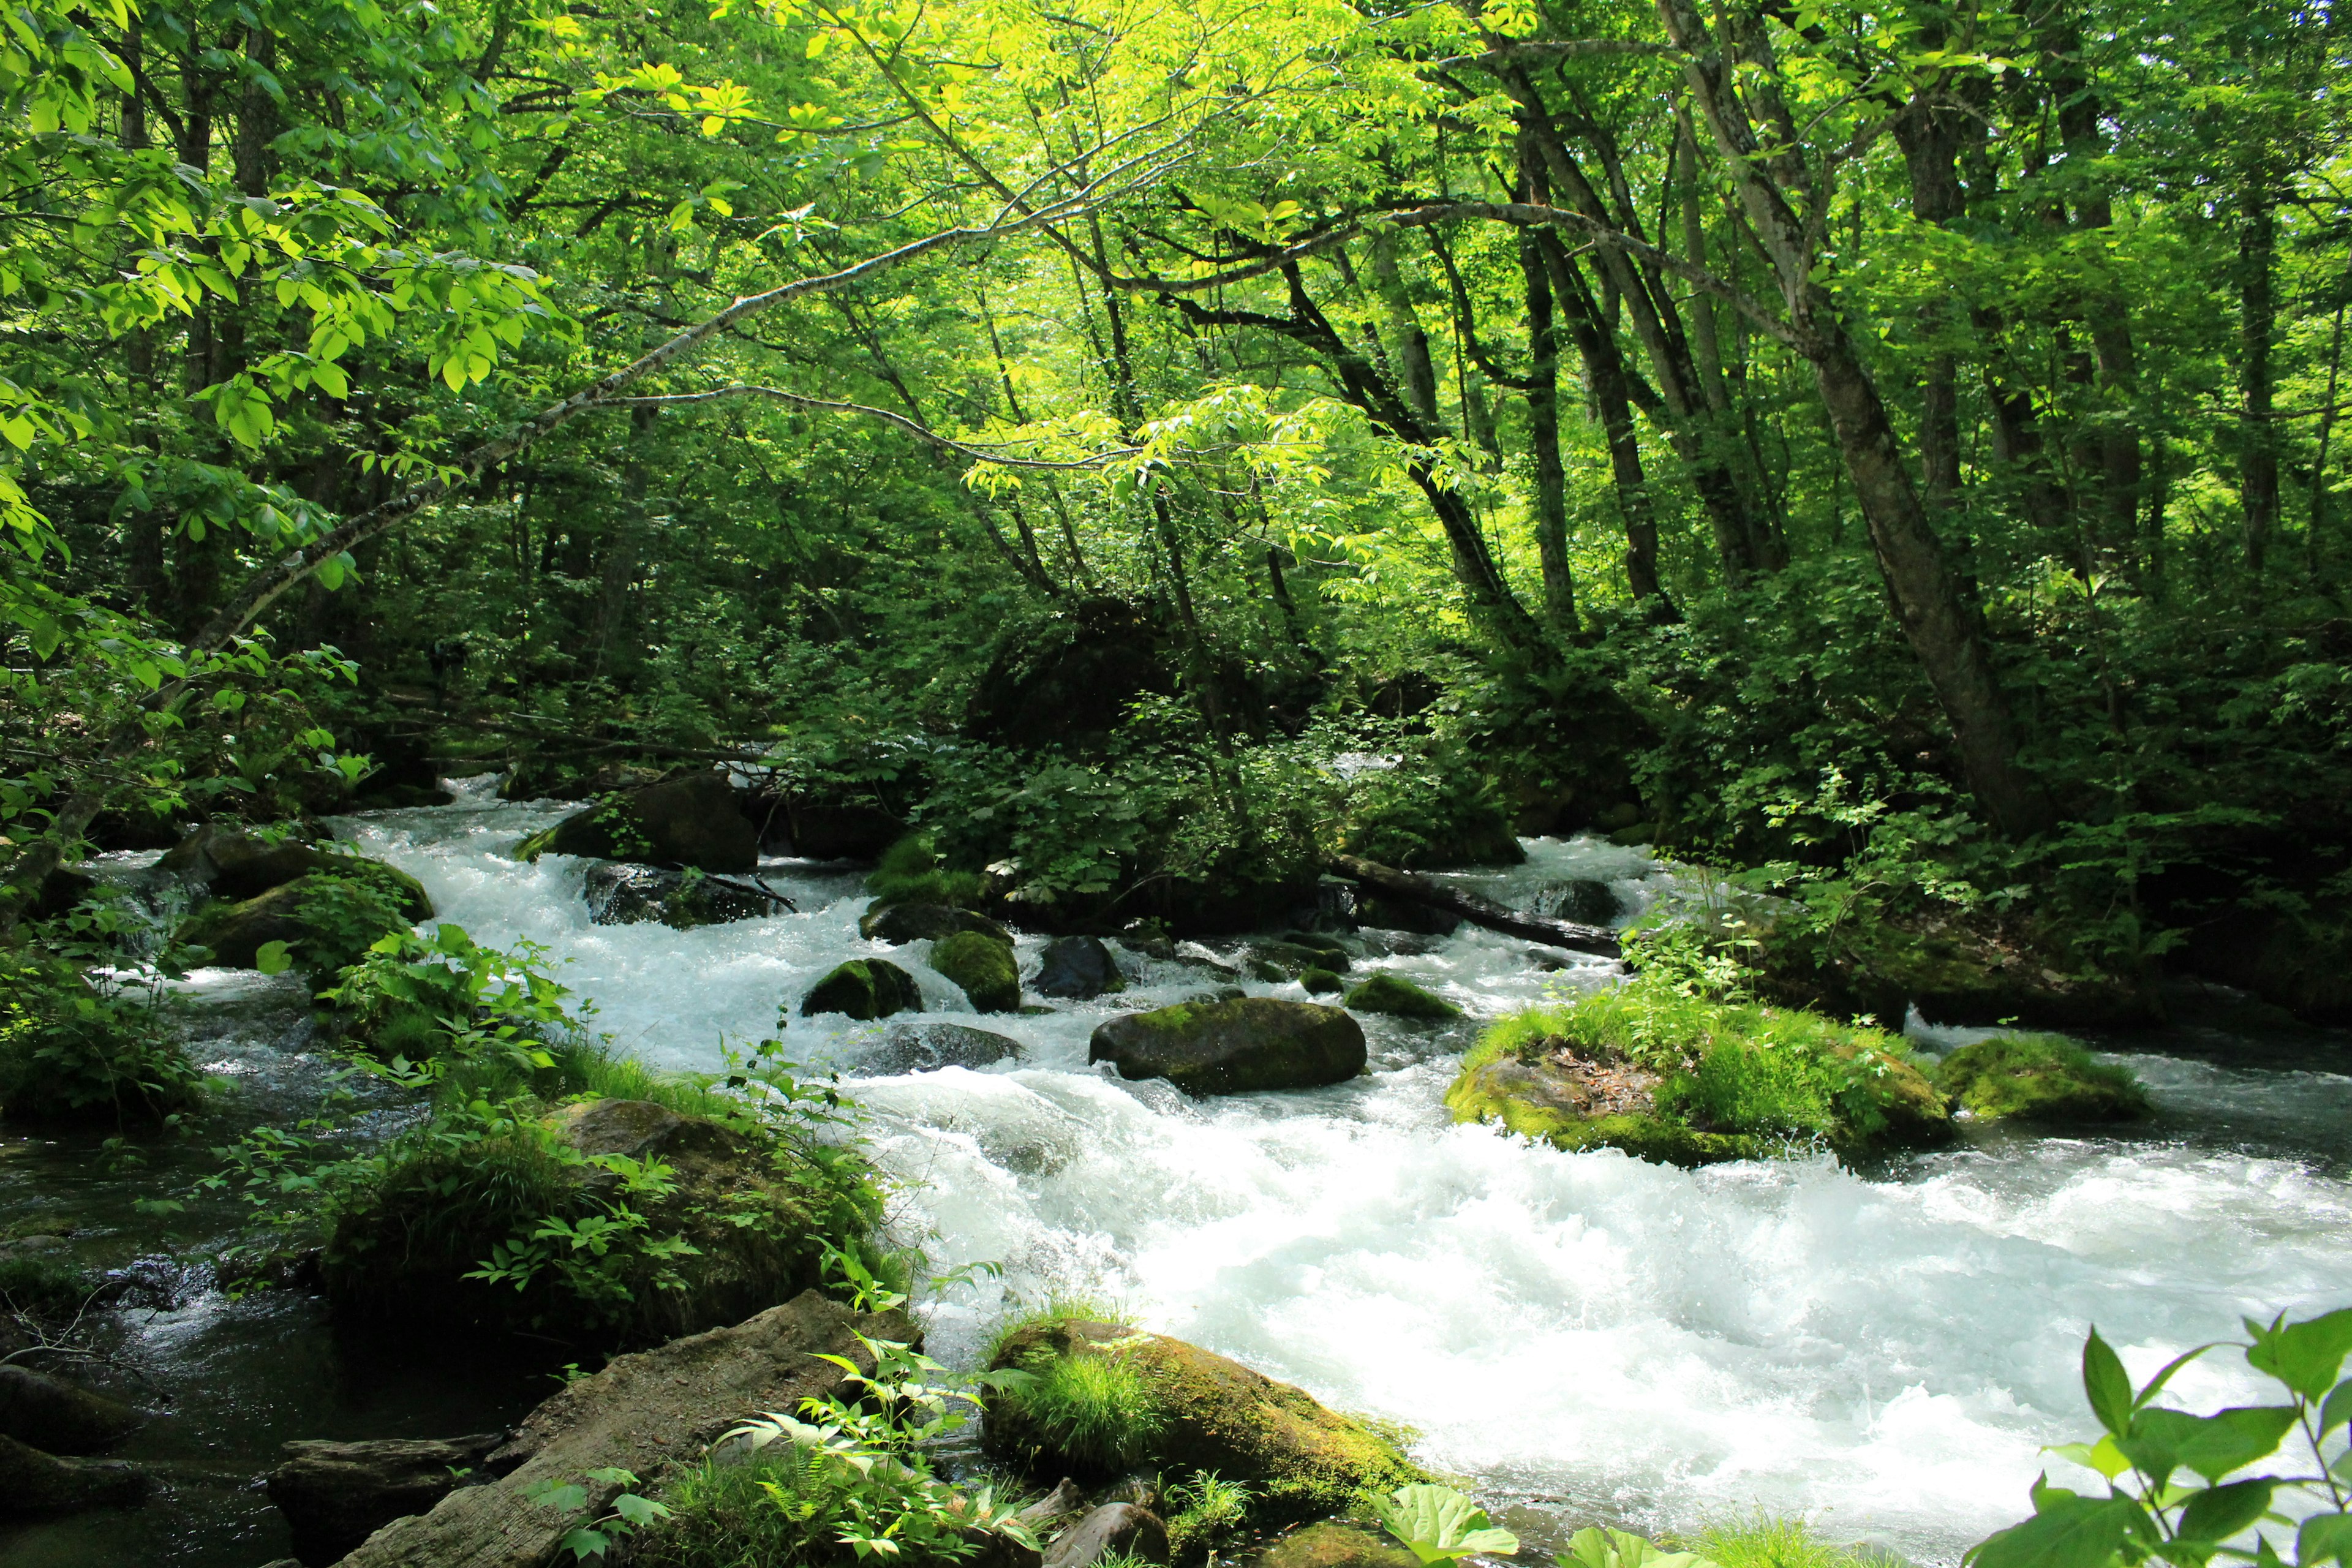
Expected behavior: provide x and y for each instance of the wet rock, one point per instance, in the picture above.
(864, 988)
(634, 1128)
(1583, 900)
(1301, 1460)
(548, 778)
(622, 894)
(59, 1416)
(1328, 1545)
(1233, 1046)
(335, 1495)
(901, 923)
(1384, 992)
(34, 1482)
(235, 866)
(1078, 967)
(694, 821)
(236, 934)
(927, 1047)
(1120, 1527)
(643, 1414)
(1291, 959)
(1321, 982)
(1403, 914)
(982, 968)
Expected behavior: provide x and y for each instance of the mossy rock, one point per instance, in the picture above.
(864, 988)
(622, 894)
(236, 933)
(694, 821)
(2040, 1077)
(1235, 1047)
(1321, 982)
(1965, 968)
(235, 866)
(1301, 1459)
(1288, 959)
(982, 967)
(1381, 992)
(1560, 1109)
(901, 923)
(1329, 1545)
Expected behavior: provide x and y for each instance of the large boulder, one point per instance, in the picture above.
(1330, 1545)
(335, 1495)
(693, 821)
(900, 924)
(325, 930)
(34, 1482)
(864, 988)
(236, 865)
(982, 968)
(1077, 968)
(620, 894)
(644, 1414)
(833, 831)
(1234, 1048)
(38, 1409)
(1205, 1412)
(929, 1046)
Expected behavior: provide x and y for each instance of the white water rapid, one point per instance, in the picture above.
(1587, 1337)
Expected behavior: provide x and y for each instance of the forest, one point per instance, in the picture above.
(1437, 632)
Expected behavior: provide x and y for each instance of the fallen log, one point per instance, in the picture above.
(1391, 883)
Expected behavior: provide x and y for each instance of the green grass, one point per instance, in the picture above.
(609, 1075)
(2040, 1077)
(1772, 1541)
(774, 1509)
(911, 872)
(1097, 1411)
(1059, 1309)
(1205, 1513)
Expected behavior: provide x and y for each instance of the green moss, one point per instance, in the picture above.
(1321, 981)
(911, 872)
(982, 967)
(1098, 1412)
(2040, 1077)
(1381, 992)
(864, 988)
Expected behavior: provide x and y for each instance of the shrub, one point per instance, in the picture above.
(71, 1052)
(2040, 1077)
(911, 872)
(1429, 812)
(1098, 1411)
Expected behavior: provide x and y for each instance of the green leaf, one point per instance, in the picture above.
(2219, 1513)
(2324, 1536)
(2337, 1409)
(272, 958)
(2305, 1356)
(2107, 1384)
(2069, 1531)
(1437, 1524)
(2213, 1445)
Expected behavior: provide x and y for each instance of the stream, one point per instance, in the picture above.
(1584, 1338)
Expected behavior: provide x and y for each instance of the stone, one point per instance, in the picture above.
(982, 968)
(900, 924)
(1321, 982)
(694, 821)
(235, 866)
(1293, 959)
(1381, 992)
(335, 1495)
(2040, 1077)
(1329, 1545)
(929, 1046)
(1583, 900)
(59, 1417)
(1403, 914)
(35, 1482)
(634, 1128)
(645, 1413)
(864, 988)
(236, 934)
(619, 894)
(1077, 968)
(1234, 1047)
(1300, 1459)
(1122, 1527)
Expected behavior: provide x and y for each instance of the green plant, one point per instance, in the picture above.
(2040, 1077)
(1206, 1512)
(1438, 1524)
(1777, 1540)
(2170, 1494)
(69, 1050)
(627, 1514)
(911, 872)
(1095, 1410)
(1592, 1547)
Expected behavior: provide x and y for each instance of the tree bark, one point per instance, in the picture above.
(1543, 438)
(2258, 467)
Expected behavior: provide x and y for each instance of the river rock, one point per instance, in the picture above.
(1328, 1545)
(40, 1410)
(1292, 959)
(864, 988)
(643, 1414)
(1077, 968)
(235, 866)
(1121, 1527)
(1320, 982)
(2040, 1077)
(1301, 1460)
(1384, 992)
(693, 821)
(335, 1495)
(34, 1482)
(900, 924)
(236, 934)
(928, 1047)
(621, 894)
(982, 968)
(1234, 1048)
(1580, 901)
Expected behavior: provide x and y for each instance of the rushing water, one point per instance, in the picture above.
(1587, 1337)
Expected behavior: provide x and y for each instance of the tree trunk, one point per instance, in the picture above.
(2258, 467)
(1543, 423)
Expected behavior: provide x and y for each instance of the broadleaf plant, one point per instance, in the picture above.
(1438, 1524)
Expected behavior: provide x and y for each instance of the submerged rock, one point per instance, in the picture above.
(1205, 1412)
(59, 1417)
(622, 894)
(693, 821)
(643, 1414)
(2040, 1077)
(982, 968)
(1233, 1046)
(1585, 901)
(864, 988)
(928, 1047)
(1077, 968)
(1384, 992)
(1289, 959)
(34, 1482)
(900, 924)
(335, 1495)
(1328, 1545)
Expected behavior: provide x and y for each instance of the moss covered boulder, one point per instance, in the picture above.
(1234, 1047)
(694, 821)
(901, 923)
(234, 865)
(1381, 992)
(621, 894)
(1320, 982)
(1133, 1398)
(982, 967)
(864, 988)
(1687, 1082)
(327, 919)
(2040, 1077)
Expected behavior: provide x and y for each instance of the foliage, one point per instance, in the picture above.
(2046, 1078)
(911, 872)
(1592, 1547)
(69, 1050)
(1206, 1514)
(1438, 1524)
(1096, 1410)
(1774, 1541)
(1433, 809)
(2169, 1494)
